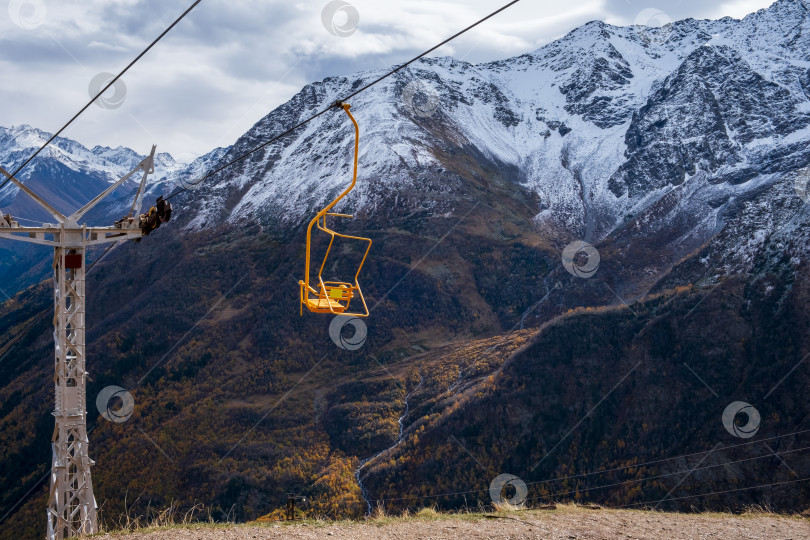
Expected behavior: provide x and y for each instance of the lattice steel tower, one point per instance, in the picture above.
(71, 505)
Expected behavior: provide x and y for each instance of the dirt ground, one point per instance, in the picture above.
(562, 524)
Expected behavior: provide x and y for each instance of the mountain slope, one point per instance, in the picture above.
(595, 126)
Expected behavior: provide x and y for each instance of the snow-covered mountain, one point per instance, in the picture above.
(66, 173)
(69, 174)
(600, 125)
(609, 133)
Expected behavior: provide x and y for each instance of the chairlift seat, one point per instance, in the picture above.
(334, 296)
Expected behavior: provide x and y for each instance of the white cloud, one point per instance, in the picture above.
(740, 8)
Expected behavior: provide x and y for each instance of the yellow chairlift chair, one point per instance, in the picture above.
(334, 296)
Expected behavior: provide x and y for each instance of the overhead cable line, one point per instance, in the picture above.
(633, 466)
(682, 456)
(109, 84)
(774, 484)
(340, 101)
(664, 475)
(36, 221)
(98, 259)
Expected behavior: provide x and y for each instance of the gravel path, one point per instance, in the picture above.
(579, 524)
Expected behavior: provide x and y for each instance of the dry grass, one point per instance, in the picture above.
(199, 519)
(506, 507)
(171, 516)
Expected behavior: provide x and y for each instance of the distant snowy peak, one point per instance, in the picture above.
(120, 157)
(185, 174)
(19, 142)
(68, 174)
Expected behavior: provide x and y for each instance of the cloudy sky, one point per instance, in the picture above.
(230, 62)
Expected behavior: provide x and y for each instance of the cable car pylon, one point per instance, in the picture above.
(71, 505)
